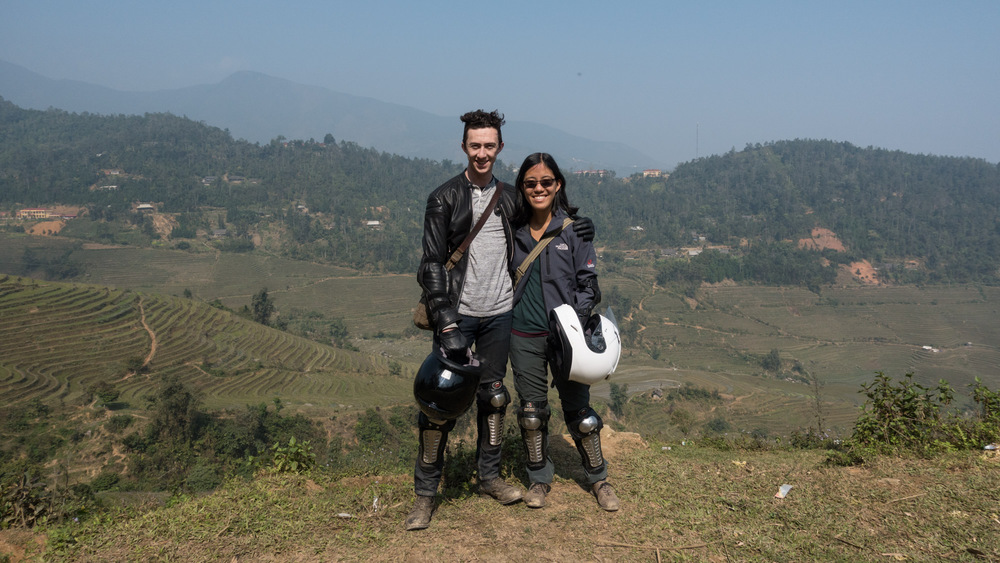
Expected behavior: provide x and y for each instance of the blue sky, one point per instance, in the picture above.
(674, 79)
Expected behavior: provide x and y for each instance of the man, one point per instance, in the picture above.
(470, 305)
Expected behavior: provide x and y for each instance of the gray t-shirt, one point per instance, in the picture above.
(487, 290)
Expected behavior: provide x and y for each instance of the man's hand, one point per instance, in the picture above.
(584, 227)
(453, 342)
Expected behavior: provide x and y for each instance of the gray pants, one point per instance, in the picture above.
(529, 362)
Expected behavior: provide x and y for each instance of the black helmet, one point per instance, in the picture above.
(444, 388)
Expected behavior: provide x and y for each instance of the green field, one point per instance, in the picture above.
(837, 339)
(59, 340)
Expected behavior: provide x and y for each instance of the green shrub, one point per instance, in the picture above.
(105, 481)
(118, 423)
(906, 416)
(296, 457)
(903, 415)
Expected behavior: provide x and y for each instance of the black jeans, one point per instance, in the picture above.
(489, 338)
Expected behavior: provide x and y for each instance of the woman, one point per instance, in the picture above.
(563, 273)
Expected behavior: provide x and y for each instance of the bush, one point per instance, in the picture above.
(296, 457)
(718, 425)
(118, 423)
(619, 397)
(26, 502)
(906, 416)
(105, 481)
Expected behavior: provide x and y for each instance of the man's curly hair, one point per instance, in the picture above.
(481, 119)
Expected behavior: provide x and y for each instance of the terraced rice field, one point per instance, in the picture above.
(58, 340)
(842, 336)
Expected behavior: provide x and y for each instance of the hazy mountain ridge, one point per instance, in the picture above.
(259, 108)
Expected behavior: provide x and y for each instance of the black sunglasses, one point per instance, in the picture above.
(546, 183)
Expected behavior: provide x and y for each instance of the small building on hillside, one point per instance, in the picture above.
(33, 213)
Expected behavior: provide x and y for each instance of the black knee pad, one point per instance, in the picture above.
(533, 418)
(433, 436)
(583, 422)
(534, 410)
(491, 405)
(585, 427)
(492, 397)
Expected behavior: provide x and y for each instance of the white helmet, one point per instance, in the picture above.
(585, 353)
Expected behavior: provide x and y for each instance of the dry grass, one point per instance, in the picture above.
(686, 503)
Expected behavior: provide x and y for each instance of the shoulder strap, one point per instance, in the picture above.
(457, 255)
(546, 239)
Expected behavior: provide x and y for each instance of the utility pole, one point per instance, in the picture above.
(697, 133)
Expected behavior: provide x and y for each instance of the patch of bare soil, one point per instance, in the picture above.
(163, 224)
(47, 227)
(15, 544)
(724, 283)
(822, 239)
(862, 271)
(98, 246)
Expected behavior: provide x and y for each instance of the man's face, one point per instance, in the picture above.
(482, 147)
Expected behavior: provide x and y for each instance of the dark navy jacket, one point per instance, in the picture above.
(569, 268)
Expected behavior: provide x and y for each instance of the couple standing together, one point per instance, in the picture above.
(476, 304)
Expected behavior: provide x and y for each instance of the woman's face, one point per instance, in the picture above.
(540, 187)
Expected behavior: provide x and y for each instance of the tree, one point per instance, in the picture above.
(619, 396)
(106, 392)
(262, 307)
(772, 361)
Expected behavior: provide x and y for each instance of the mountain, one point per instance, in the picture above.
(259, 108)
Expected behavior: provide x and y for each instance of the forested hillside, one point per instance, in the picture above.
(937, 216)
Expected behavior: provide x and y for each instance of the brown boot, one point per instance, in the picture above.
(606, 496)
(535, 497)
(420, 517)
(500, 490)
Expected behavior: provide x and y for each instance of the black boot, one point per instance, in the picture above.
(420, 517)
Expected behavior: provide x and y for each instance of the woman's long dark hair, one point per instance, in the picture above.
(523, 211)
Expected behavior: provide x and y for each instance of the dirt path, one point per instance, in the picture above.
(154, 343)
(736, 401)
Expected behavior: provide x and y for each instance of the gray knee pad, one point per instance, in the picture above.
(585, 427)
(492, 400)
(433, 436)
(533, 418)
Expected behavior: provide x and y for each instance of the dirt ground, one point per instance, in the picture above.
(863, 271)
(822, 239)
(46, 227)
(14, 542)
(567, 502)
(163, 224)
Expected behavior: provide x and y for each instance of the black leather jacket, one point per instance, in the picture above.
(447, 221)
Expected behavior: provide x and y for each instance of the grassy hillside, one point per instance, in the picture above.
(58, 340)
(679, 503)
(829, 344)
